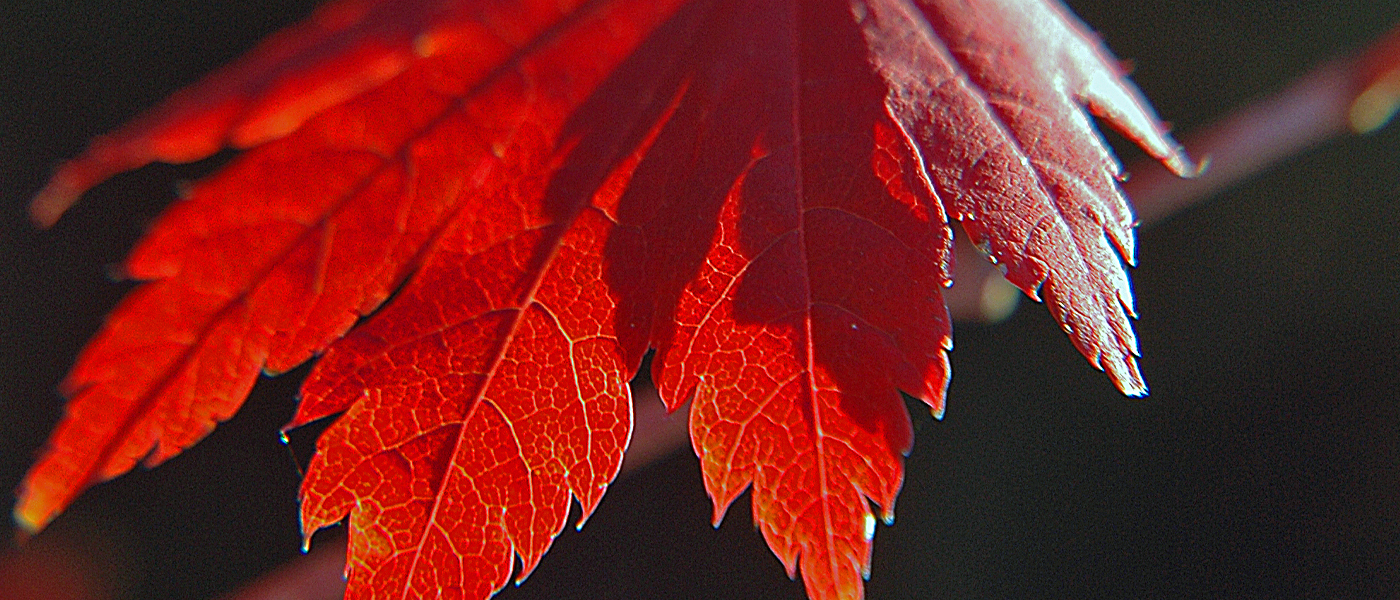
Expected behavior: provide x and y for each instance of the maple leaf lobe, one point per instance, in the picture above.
(1013, 156)
(503, 339)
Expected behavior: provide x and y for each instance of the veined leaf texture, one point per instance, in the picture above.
(739, 215)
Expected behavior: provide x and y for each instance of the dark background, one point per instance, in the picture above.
(1265, 464)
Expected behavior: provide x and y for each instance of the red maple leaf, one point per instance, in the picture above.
(760, 191)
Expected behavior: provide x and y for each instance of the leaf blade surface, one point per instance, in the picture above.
(758, 190)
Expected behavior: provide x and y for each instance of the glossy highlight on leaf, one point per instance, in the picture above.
(761, 191)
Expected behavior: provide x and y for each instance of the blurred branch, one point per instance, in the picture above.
(1358, 94)
(315, 576)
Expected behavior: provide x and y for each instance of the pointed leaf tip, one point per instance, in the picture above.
(51, 202)
(1181, 165)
